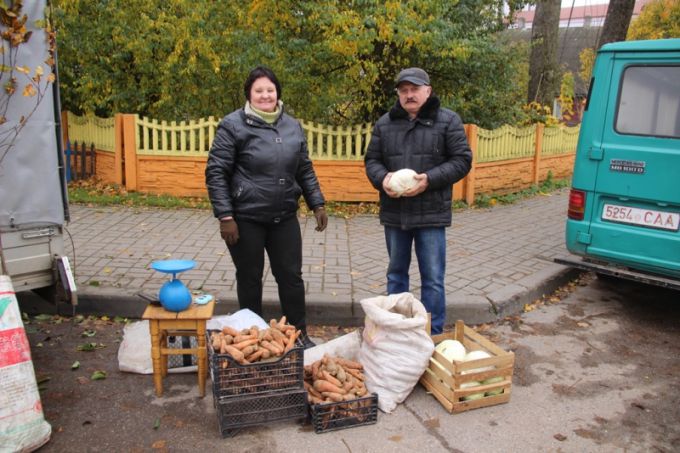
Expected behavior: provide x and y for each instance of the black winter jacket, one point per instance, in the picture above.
(257, 171)
(433, 143)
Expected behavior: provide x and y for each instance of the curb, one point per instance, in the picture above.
(343, 309)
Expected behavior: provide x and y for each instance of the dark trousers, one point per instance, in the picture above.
(283, 243)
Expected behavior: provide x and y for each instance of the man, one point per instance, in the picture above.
(418, 134)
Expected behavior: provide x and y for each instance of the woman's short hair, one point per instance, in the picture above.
(261, 71)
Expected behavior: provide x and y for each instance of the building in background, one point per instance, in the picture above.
(577, 16)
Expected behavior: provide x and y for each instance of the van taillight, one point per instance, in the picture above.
(577, 204)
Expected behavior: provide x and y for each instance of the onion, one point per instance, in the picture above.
(402, 180)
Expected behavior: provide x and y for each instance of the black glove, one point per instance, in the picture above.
(321, 218)
(229, 231)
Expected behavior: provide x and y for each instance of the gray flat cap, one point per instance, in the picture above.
(414, 75)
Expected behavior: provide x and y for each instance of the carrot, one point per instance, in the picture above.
(244, 343)
(313, 392)
(315, 368)
(314, 399)
(321, 385)
(349, 363)
(278, 335)
(235, 353)
(327, 376)
(349, 384)
(356, 373)
(248, 350)
(273, 347)
(282, 322)
(337, 397)
(241, 338)
(257, 355)
(229, 331)
(291, 341)
(216, 342)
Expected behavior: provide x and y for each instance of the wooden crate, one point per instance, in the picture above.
(444, 378)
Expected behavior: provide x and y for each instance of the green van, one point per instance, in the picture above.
(624, 205)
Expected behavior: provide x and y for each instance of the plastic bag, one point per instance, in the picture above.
(396, 348)
(134, 353)
(22, 423)
(346, 346)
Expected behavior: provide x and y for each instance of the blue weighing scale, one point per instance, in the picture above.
(174, 295)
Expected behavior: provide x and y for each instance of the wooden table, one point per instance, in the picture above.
(187, 323)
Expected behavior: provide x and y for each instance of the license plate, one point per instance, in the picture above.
(643, 217)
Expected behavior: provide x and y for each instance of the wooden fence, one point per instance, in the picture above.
(166, 157)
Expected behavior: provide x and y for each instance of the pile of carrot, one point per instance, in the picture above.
(334, 379)
(255, 344)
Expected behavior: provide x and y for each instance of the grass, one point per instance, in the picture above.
(93, 193)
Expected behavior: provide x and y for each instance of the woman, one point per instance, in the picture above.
(257, 169)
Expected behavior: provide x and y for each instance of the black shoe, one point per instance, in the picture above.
(306, 341)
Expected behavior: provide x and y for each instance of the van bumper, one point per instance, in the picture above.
(601, 267)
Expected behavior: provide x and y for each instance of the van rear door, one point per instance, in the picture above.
(635, 215)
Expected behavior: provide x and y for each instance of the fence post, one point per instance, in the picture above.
(130, 150)
(93, 160)
(64, 129)
(67, 160)
(118, 160)
(538, 146)
(473, 141)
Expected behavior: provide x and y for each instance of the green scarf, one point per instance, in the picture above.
(267, 117)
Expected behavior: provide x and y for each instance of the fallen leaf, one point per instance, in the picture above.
(98, 375)
(157, 423)
(88, 333)
(583, 324)
(75, 365)
(82, 380)
(86, 347)
(432, 423)
(395, 438)
(560, 437)
(43, 317)
(159, 444)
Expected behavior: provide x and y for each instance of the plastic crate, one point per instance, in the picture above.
(346, 414)
(449, 381)
(236, 413)
(231, 379)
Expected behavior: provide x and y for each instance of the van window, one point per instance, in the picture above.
(649, 101)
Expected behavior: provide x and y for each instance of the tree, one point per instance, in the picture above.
(337, 60)
(23, 87)
(659, 19)
(617, 21)
(544, 72)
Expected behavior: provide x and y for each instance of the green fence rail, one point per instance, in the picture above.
(91, 129)
(193, 138)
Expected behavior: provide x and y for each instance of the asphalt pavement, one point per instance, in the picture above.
(498, 259)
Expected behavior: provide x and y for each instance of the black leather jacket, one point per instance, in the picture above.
(257, 171)
(433, 143)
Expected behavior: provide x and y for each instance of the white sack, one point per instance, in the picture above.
(242, 319)
(396, 348)
(22, 423)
